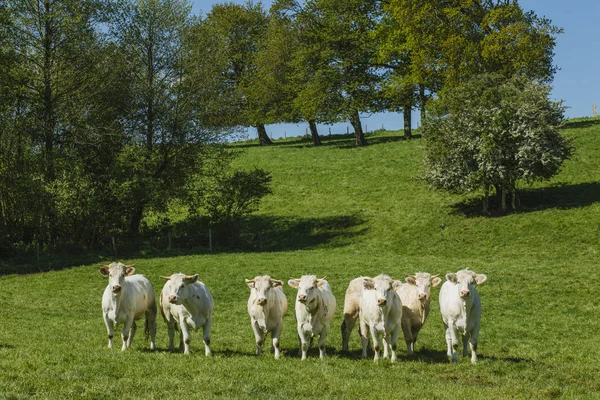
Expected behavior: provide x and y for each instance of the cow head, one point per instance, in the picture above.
(116, 273)
(466, 281)
(382, 284)
(423, 281)
(260, 287)
(307, 285)
(177, 285)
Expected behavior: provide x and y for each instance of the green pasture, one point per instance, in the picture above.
(340, 212)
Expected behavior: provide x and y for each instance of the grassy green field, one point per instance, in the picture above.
(343, 212)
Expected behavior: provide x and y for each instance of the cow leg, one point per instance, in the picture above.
(110, 329)
(126, 332)
(275, 334)
(415, 335)
(347, 326)
(465, 340)
(448, 342)
(385, 340)
(171, 331)
(363, 332)
(408, 338)
(394, 343)
(473, 343)
(376, 344)
(259, 336)
(206, 336)
(303, 342)
(322, 339)
(132, 332)
(185, 335)
(180, 339)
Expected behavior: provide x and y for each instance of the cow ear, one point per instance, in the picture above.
(450, 276)
(436, 281)
(411, 280)
(368, 284)
(276, 283)
(250, 283)
(293, 283)
(129, 270)
(480, 278)
(166, 278)
(396, 284)
(191, 279)
(104, 270)
(320, 283)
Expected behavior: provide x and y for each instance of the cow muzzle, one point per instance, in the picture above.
(464, 293)
(422, 297)
(262, 301)
(302, 298)
(381, 302)
(116, 288)
(173, 299)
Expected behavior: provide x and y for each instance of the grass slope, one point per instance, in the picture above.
(343, 212)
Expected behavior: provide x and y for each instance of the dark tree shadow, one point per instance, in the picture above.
(581, 123)
(562, 197)
(257, 234)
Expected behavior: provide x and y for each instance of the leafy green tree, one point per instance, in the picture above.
(234, 33)
(447, 42)
(160, 123)
(493, 132)
(336, 62)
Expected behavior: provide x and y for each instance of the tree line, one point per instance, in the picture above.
(111, 110)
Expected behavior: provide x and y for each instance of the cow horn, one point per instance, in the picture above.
(166, 278)
(322, 279)
(435, 276)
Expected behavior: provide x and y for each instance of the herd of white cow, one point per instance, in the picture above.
(382, 306)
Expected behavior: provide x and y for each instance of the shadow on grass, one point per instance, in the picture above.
(581, 123)
(258, 234)
(561, 197)
(6, 346)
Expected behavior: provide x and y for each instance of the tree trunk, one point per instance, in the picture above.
(263, 138)
(423, 103)
(486, 200)
(49, 120)
(313, 131)
(407, 119)
(358, 132)
(136, 220)
(504, 200)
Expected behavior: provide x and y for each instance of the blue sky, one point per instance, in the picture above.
(577, 55)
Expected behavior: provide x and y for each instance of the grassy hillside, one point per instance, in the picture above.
(343, 212)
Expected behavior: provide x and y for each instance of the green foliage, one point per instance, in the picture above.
(492, 131)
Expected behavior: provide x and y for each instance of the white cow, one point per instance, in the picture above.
(415, 297)
(381, 315)
(126, 299)
(187, 302)
(460, 307)
(266, 306)
(315, 306)
(351, 308)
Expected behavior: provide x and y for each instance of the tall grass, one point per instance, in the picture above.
(343, 212)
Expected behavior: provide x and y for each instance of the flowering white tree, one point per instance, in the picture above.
(494, 132)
